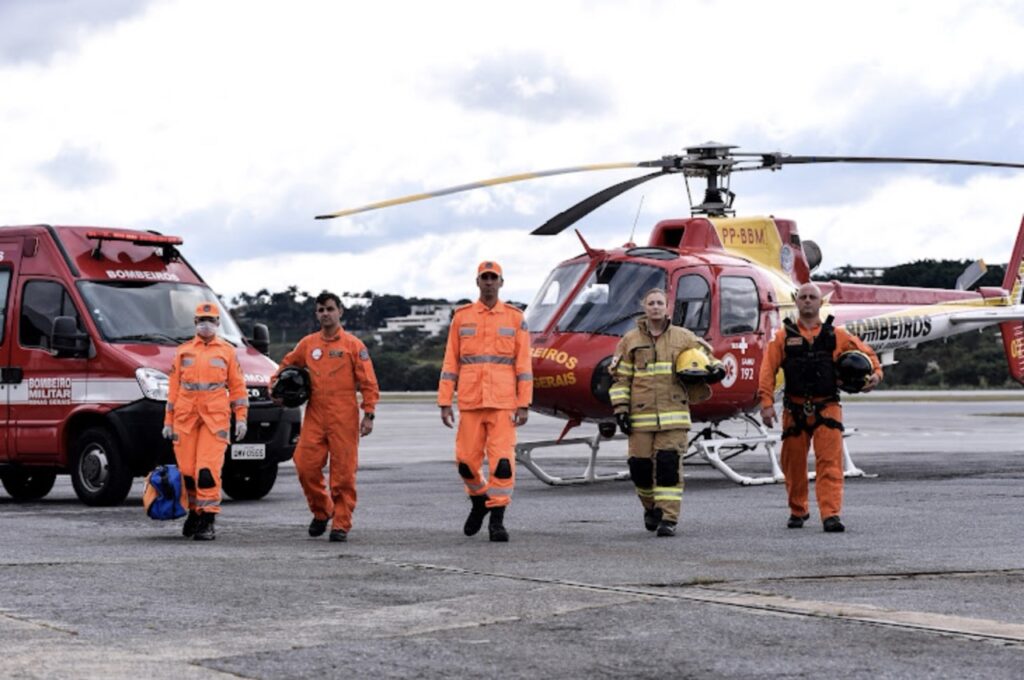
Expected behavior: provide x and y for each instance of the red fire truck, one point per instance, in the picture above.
(89, 322)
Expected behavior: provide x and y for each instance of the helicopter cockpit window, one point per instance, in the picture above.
(693, 304)
(552, 294)
(738, 305)
(609, 301)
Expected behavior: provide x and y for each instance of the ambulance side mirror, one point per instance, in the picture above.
(66, 340)
(260, 338)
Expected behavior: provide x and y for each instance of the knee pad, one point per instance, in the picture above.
(641, 470)
(666, 470)
(504, 469)
(465, 472)
(190, 483)
(206, 480)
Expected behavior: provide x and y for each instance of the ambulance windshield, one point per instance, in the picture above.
(156, 312)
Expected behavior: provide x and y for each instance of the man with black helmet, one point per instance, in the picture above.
(338, 366)
(807, 351)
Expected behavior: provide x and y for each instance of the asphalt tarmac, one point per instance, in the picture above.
(925, 583)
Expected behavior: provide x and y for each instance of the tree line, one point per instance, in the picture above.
(411, 359)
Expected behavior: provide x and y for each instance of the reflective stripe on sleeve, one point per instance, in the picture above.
(445, 375)
(524, 376)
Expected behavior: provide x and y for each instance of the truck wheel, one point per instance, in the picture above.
(27, 484)
(251, 484)
(98, 471)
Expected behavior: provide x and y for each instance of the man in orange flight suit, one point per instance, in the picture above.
(807, 351)
(338, 366)
(488, 361)
(205, 384)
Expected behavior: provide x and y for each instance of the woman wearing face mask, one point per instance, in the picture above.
(206, 383)
(652, 407)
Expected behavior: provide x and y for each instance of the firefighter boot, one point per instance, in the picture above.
(652, 518)
(476, 515)
(204, 528)
(497, 526)
(191, 522)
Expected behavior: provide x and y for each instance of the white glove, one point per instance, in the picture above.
(240, 429)
(167, 432)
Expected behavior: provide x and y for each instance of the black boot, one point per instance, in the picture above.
(497, 526)
(476, 515)
(204, 530)
(652, 518)
(191, 522)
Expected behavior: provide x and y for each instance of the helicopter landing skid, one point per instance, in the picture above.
(524, 457)
(716, 447)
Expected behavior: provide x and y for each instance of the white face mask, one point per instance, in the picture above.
(206, 329)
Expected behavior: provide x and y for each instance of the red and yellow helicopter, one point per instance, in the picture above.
(730, 280)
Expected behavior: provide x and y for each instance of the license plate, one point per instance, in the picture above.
(248, 451)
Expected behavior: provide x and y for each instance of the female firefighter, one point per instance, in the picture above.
(652, 407)
(205, 384)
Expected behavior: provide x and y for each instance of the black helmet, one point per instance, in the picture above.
(853, 370)
(292, 387)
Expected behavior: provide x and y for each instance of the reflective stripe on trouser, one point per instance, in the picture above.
(652, 421)
(651, 493)
(338, 437)
(195, 451)
(489, 432)
(828, 465)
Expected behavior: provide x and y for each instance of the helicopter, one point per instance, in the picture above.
(731, 280)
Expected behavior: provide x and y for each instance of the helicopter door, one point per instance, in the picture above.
(692, 308)
(741, 339)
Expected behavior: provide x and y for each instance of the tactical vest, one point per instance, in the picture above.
(808, 366)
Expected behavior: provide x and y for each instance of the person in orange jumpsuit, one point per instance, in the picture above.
(807, 351)
(487, 361)
(206, 384)
(338, 366)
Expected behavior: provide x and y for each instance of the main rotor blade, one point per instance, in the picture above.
(775, 160)
(577, 212)
(483, 183)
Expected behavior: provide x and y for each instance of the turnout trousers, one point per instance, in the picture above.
(490, 433)
(200, 456)
(336, 437)
(656, 467)
(828, 464)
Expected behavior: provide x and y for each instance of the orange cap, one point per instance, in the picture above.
(207, 309)
(488, 266)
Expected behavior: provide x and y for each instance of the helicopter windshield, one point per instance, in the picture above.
(609, 301)
(552, 294)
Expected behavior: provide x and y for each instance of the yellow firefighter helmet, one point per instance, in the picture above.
(695, 366)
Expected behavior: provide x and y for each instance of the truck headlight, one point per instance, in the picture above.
(153, 383)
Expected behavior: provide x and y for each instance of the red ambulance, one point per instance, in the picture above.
(89, 322)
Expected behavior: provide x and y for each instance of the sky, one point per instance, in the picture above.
(232, 123)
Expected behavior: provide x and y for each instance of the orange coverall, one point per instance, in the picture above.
(488, 361)
(338, 367)
(205, 384)
(828, 441)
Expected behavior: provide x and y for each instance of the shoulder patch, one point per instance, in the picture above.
(364, 355)
(523, 326)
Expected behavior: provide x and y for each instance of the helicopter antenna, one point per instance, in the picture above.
(637, 218)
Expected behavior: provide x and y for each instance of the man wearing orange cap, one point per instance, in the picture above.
(206, 384)
(338, 366)
(487, 361)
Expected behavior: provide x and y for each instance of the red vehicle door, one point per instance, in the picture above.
(45, 395)
(10, 254)
(741, 334)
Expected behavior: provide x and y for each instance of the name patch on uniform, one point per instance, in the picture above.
(335, 353)
(316, 354)
(794, 341)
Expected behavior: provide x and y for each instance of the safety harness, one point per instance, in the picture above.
(810, 372)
